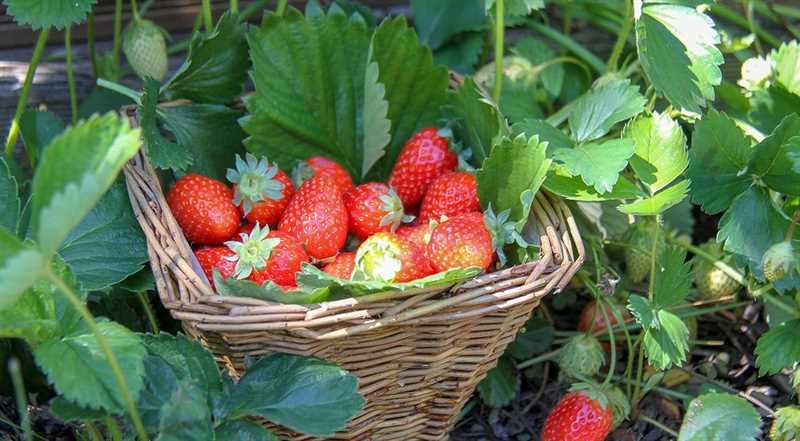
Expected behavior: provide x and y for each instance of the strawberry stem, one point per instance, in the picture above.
(499, 35)
(117, 46)
(73, 97)
(21, 398)
(120, 89)
(207, 20)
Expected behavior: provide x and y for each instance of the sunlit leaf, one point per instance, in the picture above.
(48, 13)
(598, 164)
(720, 417)
(660, 154)
(595, 113)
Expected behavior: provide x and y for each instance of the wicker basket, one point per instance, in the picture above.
(418, 354)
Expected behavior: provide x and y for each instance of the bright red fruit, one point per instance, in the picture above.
(261, 190)
(423, 158)
(342, 265)
(419, 234)
(450, 194)
(388, 258)
(211, 258)
(317, 218)
(322, 166)
(285, 261)
(577, 417)
(204, 209)
(373, 207)
(461, 241)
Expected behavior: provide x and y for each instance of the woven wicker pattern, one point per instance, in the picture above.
(418, 354)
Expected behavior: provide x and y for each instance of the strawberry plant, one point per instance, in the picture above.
(319, 154)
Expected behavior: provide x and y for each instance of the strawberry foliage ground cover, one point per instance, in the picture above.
(684, 179)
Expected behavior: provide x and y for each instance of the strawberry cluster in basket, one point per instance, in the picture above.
(266, 225)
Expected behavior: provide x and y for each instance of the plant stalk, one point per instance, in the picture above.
(735, 18)
(116, 370)
(207, 20)
(697, 251)
(573, 46)
(90, 43)
(622, 38)
(113, 429)
(21, 397)
(94, 433)
(117, 45)
(653, 258)
(499, 46)
(135, 11)
(13, 132)
(73, 95)
(657, 424)
(148, 311)
(281, 8)
(234, 5)
(120, 89)
(612, 366)
(536, 360)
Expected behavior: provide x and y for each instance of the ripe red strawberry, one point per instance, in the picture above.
(342, 265)
(246, 228)
(423, 158)
(579, 416)
(387, 258)
(265, 255)
(261, 190)
(461, 241)
(450, 194)
(211, 258)
(320, 165)
(317, 218)
(373, 207)
(419, 234)
(204, 209)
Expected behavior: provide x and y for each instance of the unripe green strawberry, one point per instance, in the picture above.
(637, 257)
(581, 357)
(786, 426)
(778, 261)
(146, 49)
(712, 282)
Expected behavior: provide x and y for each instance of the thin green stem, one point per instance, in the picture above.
(697, 251)
(113, 429)
(117, 45)
(21, 398)
(116, 370)
(655, 423)
(747, 5)
(536, 360)
(208, 23)
(735, 18)
(499, 46)
(73, 95)
(780, 304)
(637, 387)
(281, 8)
(613, 346)
(148, 311)
(622, 37)
(94, 433)
(661, 390)
(119, 88)
(234, 5)
(787, 11)
(571, 45)
(90, 43)
(13, 132)
(18, 428)
(653, 258)
(135, 10)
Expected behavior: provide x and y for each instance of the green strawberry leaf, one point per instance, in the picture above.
(160, 382)
(660, 154)
(20, 266)
(40, 14)
(565, 184)
(598, 164)
(718, 416)
(769, 106)
(186, 416)
(518, 100)
(243, 430)
(661, 202)
(187, 358)
(673, 278)
(779, 348)
(517, 8)
(676, 44)
(286, 389)
(786, 67)
(163, 153)
(216, 65)
(541, 56)
(95, 387)
(108, 245)
(461, 55)
(667, 343)
(720, 153)
(32, 317)
(376, 124)
(786, 426)
(556, 139)
(500, 385)
(66, 410)
(535, 338)
(37, 129)
(595, 113)
(478, 121)
(65, 190)
(10, 207)
(772, 157)
(642, 311)
(439, 20)
(511, 176)
(751, 225)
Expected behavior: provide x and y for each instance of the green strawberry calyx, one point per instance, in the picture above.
(301, 173)
(779, 261)
(607, 396)
(252, 252)
(378, 259)
(503, 232)
(393, 207)
(255, 181)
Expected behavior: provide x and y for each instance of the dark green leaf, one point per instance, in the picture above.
(478, 121)
(779, 348)
(40, 14)
(535, 338)
(20, 266)
(163, 153)
(65, 190)
(769, 106)
(287, 389)
(539, 54)
(666, 344)
(556, 139)
(462, 54)
(438, 20)
(160, 382)
(594, 114)
(598, 164)
(216, 66)
(517, 8)
(102, 100)
(662, 201)
(187, 358)
(673, 278)
(565, 184)
(108, 245)
(772, 157)
(38, 128)
(660, 154)
(720, 417)
(66, 410)
(9, 199)
(242, 430)
(138, 282)
(186, 416)
(95, 387)
(500, 385)
(269, 291)
(518, 100)
(719, 155)
(511, 176)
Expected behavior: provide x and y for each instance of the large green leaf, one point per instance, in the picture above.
(720, 417)
(596, 112)
(80, 371)
(511, 176)
(162, 152)
(568, 185)
(305, 394)
(779, 348)
(666, 344)
(243, 430)
(64, 189)
(720, 153)
(9, 199)
(438, 20)
(660, 202)
(160, 382)
(187, 358)
(598, 164)
(186, 416)
(478, 122)
(38, 128)
(772, 157)
(500, 385)
(787, 66)
(676, 44)
(556, 139)
(462, 54)
(216, 66)
(660, 154)
(673, 278)
(20, 266)
(48, 13)
(769, 106)
(108, 245)
(535, 338)
(518, 100)
(66, 410)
